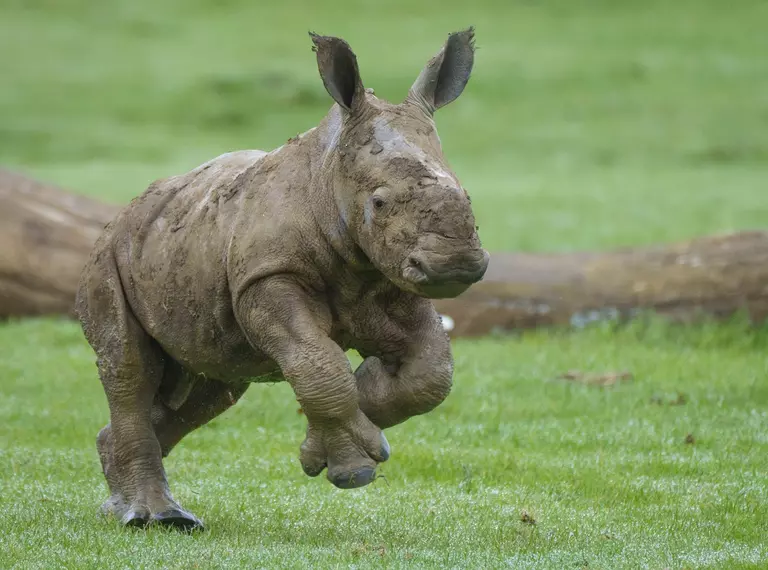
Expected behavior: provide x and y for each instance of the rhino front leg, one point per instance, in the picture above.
(419, 371)
(291, 326)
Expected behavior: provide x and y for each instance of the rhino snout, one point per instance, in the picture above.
(439, 276)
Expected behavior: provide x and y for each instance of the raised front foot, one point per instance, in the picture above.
(352, 479)
(351, 452)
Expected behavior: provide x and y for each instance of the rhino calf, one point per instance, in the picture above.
(259, 267)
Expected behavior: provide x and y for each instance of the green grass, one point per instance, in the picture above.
(606, 473)
(590, 124)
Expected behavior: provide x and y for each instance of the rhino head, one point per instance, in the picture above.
(395, 194)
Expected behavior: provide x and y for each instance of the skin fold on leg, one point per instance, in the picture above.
(339, 435)
(207, 399)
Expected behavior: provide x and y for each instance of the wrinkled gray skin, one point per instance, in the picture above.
(259, 267)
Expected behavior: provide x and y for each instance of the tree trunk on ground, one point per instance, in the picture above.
(46, 235)
(714, 276)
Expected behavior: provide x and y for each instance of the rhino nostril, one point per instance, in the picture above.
(415, 270)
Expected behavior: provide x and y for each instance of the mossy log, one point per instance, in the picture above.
(46, 234)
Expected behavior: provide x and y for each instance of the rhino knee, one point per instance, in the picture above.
(436, 388)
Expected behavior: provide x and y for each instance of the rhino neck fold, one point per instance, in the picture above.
(324, 199)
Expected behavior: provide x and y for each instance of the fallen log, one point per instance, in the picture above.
(46, 235)
(715, 276)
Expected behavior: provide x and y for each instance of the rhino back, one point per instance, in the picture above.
(171, 250)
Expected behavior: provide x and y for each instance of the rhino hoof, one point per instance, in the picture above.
(178, 519)
(385, 450)
(359, 478)
(313, 470)
(138, 517)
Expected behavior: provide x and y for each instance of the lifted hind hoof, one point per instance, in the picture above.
(354, 479)
(178, 519)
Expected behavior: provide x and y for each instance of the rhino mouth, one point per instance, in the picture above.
(443, 291)
(440, 277)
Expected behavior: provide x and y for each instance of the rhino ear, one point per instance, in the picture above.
(337, 64)
(446, 74)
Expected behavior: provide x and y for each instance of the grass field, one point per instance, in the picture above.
(586, 125)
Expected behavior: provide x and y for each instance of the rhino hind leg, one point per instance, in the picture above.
(136, 513)
(131, 367)
(207, 399)
(116, 502)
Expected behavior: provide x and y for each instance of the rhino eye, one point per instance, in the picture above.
(378, 203)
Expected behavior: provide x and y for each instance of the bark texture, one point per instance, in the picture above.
(47, 233)
(715, 276)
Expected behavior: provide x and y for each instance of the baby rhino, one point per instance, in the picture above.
(257, 267)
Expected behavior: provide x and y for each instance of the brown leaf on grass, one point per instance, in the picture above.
(527, 518)
(689, 439)
(605, 379)
(359, 550)
(680, 400)
(365, 548)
